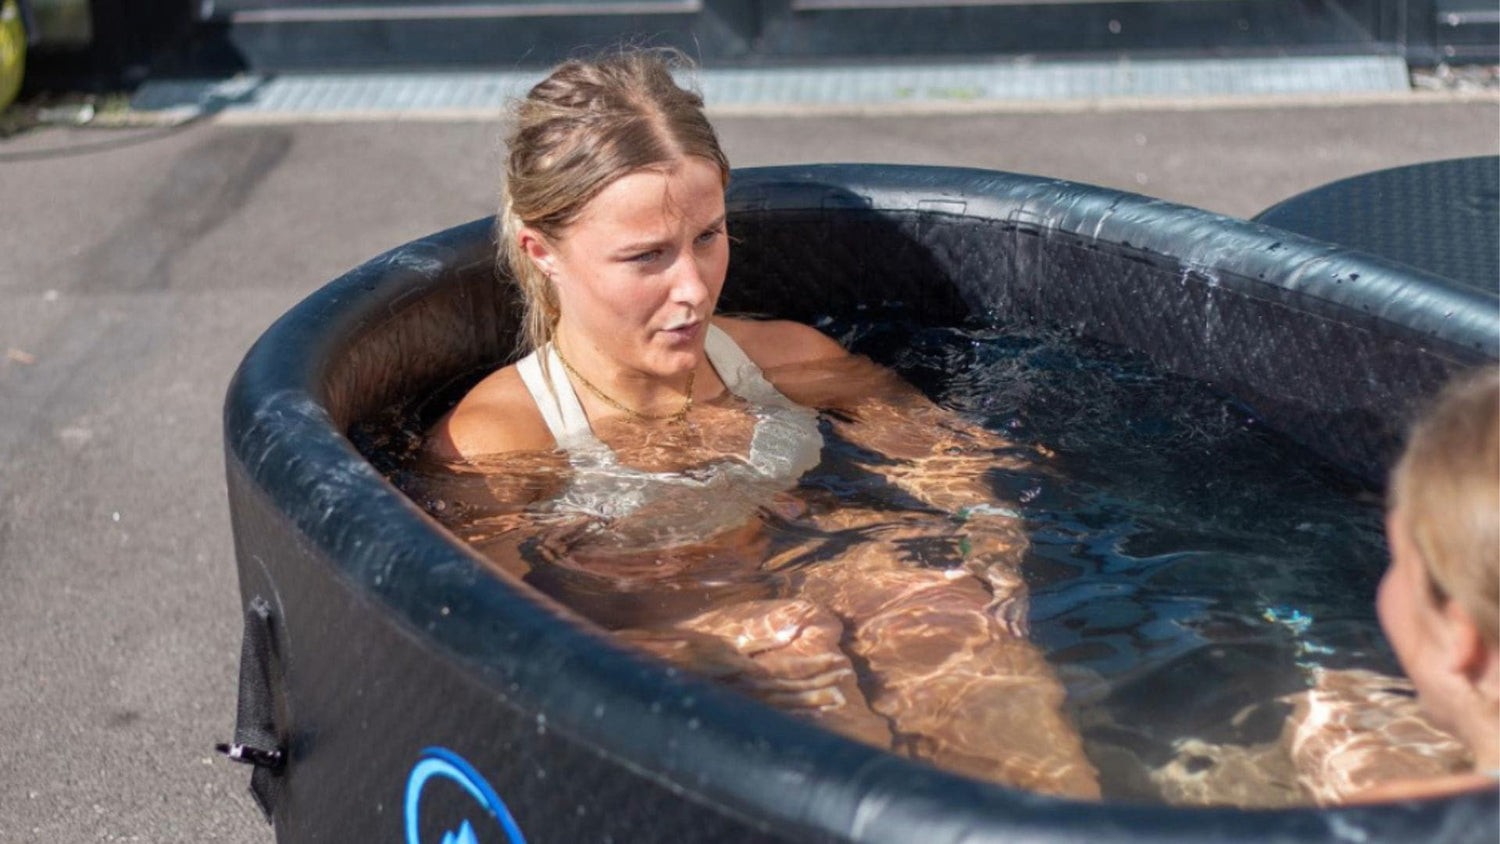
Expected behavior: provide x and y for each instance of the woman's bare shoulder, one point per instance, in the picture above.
(497, 416)
(779, 342)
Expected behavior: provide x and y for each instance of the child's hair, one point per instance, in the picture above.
(1446, 490)
(584, 126)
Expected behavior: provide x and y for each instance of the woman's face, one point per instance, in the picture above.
(639, 272)
(1413, 622)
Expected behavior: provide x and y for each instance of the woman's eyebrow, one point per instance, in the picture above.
(639, 246)
(650, 244)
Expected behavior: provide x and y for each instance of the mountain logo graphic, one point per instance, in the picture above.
(439, 763)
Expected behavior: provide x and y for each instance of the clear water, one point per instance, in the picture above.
(1186, 567)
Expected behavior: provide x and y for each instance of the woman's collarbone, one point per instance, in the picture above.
(709, 435)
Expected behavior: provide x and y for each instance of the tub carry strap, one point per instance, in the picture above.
(256, 738)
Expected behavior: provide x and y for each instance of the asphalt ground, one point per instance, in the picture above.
(137, 266)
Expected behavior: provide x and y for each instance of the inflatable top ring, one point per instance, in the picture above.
(394, 688)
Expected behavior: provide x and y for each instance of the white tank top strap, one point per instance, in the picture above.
(563, 412)
(560, 408)
(738, 372)
(785, 444)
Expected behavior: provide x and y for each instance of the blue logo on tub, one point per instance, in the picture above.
(438, 763)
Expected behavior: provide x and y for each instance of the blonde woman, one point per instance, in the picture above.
(1439, 602)
(1358, 736)
(662, 434)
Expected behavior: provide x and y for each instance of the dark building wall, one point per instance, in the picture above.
(123, 42)
(345, 34)
(132, 37)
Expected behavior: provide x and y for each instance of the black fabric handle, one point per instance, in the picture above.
(257, 739)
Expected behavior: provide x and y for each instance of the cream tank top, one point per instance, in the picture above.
(662, 509)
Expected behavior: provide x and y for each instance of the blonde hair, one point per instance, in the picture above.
(1446, 488)
(584, 126)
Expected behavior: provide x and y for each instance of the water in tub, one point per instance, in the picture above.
(1072, 573)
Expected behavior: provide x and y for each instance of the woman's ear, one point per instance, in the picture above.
(536, 247)
(1465, 652)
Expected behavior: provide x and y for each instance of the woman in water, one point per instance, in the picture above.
(648, 441)
(1439, 602)
(1358, 736)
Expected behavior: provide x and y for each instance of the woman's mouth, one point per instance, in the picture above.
(682, 332)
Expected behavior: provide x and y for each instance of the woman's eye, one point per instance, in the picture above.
(645, 257)
(709, 236)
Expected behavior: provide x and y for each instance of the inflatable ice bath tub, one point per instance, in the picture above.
(396, 689)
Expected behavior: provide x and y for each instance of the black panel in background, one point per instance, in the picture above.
(1066, 31)
(129, 39)
(334, 35)
(137, 38)
(1466, 31)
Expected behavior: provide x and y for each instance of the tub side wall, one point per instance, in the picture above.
(446, 317)
(360, 697)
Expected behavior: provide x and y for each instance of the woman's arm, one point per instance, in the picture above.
(931, 453)
(1425, 789)
(941, 457)
(485, 501)
(483, 463)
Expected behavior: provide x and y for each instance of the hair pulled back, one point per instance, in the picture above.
(1446, 489)
(584, 126)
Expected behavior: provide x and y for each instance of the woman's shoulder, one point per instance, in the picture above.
(779, 342)
(498, 415)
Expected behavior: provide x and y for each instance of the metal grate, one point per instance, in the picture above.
(484, 94)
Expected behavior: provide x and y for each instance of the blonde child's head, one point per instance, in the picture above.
(1440, 597)
(1445, 492)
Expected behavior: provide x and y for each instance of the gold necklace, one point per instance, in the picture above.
(678, 416)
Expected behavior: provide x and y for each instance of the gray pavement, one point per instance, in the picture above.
(133, 278)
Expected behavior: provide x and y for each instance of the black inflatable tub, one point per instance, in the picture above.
(393, 689)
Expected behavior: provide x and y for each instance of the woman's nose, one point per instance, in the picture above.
(690, 286)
